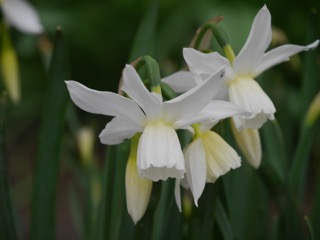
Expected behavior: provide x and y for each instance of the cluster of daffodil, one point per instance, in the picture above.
(21, 15)
(214, 88)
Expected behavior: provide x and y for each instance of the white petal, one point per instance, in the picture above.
(193, 101)
(118, 130)
(134, 87)
(106, 103)
(196, 170)
(258, 40)
(220, 156)
(203, 65)
(249, 142)
(180, 81)
(281, 54)
(177, 194)
(159, 153)
(215, 111)
(247, 93)
(20, 14)
(138, 191)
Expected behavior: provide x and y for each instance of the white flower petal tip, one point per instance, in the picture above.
(105, 103)
(177, 194)
(312, 46)
(249, 143)
(22, 15)
(138, 191)
(180, 81)
(159, 153)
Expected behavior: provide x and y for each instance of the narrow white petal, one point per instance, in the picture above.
(138, 191)
(215, 111)
(106, 103)
(180, 81)
(134, 87)
(220, 156)
(118, 130)
(281, 54)
(20, 14)
(249, 142)
(247, 93)
(258, 40)
(203, 65)
(223, 109)
(159, 153)
(193, 101)
(196, 170)
(177, 194)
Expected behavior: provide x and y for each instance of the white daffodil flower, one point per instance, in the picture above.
(208, 156)
(159, 153)
(21, 15)
(240, 86)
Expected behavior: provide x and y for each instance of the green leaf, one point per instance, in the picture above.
(48, 152)
(118, 194)
(274, 163)
(310, 84)
(161, 215)
(144, 40)
(7, 222)
(223, 222)
(107, 180)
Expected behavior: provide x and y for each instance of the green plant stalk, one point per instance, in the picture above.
(153, 72)
(7, 220)
(217, 31)
(160, 218)
(50, 138)
(118, 195)
(300, 163)
(223, 221)
(107, 191)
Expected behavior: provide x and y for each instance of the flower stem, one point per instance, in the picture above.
(153, 72)
(219, 34)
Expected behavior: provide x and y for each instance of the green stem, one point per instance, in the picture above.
(221, 37)
(153, 72)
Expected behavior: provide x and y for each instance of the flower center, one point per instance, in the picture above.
(238, 79)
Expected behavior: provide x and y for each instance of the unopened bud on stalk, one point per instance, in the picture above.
(85, 142)
(9, 67)
(313, 111)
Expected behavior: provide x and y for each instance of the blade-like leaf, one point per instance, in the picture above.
(143, 42)
(50, 135)
(223, 222)
(7, 224)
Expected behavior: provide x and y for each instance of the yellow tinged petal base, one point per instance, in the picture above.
(138, 190)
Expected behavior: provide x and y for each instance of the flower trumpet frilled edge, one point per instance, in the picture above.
(159, 154)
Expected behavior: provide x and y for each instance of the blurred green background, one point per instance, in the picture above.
(99, 37)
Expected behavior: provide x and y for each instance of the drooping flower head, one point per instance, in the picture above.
(240, 86)
(159, 153)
